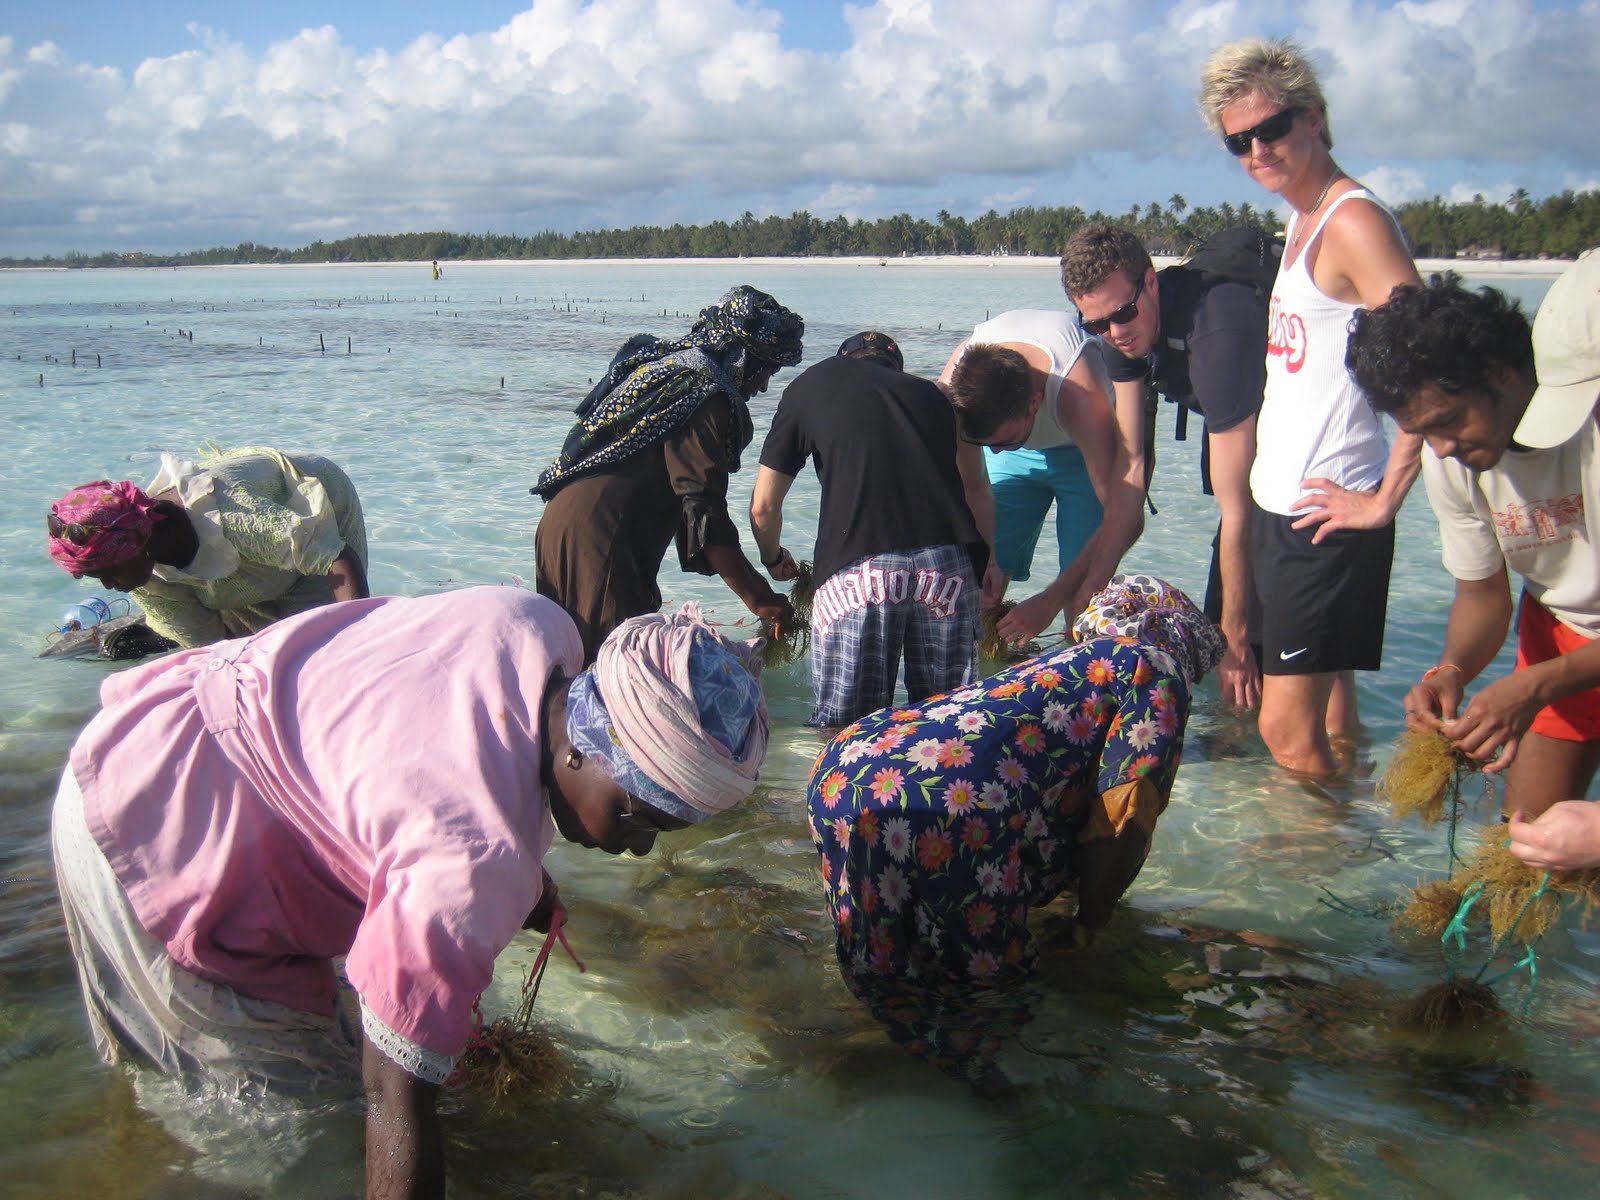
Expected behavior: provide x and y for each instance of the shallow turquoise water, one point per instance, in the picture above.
(1229, 1035)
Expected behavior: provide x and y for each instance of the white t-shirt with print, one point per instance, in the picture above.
(1532, 511)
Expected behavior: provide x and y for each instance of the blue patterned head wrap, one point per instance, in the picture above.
(726, 698)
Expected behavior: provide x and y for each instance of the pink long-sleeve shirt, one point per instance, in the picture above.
(360, 779)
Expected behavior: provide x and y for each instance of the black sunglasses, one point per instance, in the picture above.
(1274, 127)
(1122, 316)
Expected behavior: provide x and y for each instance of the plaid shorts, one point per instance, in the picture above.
(923, 603)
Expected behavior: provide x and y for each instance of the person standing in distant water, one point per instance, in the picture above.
(1326, 486)
(898, 556)
(220, 548)
(648, 462)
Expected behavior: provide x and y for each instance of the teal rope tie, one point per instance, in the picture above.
(1527, 960)
(1456, 930)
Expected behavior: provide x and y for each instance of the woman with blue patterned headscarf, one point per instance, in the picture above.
(648, 462)
(378, 782)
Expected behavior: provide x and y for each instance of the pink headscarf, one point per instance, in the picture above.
(99, 525)
(655, 696)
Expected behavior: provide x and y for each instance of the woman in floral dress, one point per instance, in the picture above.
(942, 824)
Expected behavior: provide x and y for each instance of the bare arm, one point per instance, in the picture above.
(1130, 406)
(980, 500)
(1232, 453)
(1360, 259)
(1492, 725)
(1086, 413)
(405, 1148)
(347, 577)
(1480, 617)
(766, 522)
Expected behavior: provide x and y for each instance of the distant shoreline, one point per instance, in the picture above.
(1547, 268)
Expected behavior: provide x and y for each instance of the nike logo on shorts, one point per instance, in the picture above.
(1286, 655)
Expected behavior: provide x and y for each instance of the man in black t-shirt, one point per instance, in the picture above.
(898, 556)
(1202, 343)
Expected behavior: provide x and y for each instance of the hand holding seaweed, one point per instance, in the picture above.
(789, 643)
(1491, 727)
(1565, 837)
(1424, 776)
(512, 1054)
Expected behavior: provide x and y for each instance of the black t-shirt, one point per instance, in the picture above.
(884, 446)
(1226, 351)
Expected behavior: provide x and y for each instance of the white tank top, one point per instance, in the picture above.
(1058, 335)
(1315, 421)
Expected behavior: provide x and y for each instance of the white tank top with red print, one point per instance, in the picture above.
(1314, 422)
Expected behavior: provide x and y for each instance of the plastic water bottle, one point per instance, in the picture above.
(85, 614)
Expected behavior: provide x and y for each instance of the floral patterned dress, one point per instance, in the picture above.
(941, 824)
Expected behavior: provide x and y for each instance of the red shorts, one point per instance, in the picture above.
(1541, 637)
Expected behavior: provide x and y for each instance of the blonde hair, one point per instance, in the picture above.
(1277, 70)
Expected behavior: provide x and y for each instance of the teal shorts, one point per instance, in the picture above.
(1025, 482)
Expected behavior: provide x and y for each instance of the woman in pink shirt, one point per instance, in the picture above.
(380, 780)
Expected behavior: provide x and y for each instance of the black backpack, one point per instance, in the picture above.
(1242, 254)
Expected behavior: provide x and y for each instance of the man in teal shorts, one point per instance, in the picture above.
(1034, 410)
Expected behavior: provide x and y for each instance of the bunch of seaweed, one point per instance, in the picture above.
(1429, 909)
(1454, 1006)
(1423, 779)
(1525, 902)
(992, 648)
(793, 641)
(512, 1055)
(1515, 903)
(1493, 891)
(1424, 776)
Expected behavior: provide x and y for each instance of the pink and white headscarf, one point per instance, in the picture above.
(674, 712)
(98, 525)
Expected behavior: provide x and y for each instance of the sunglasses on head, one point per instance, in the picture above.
(1274, 127)
(1122, 316)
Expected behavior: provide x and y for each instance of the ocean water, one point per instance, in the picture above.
(1230, 1034)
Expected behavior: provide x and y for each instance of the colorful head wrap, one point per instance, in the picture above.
(1154, 612)
(674, 713)
(753, 321)
(654, 385)
(99, 525)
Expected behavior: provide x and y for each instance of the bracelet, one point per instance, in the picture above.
(1432, 671)
(776, 560)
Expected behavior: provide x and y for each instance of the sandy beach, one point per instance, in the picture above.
(1547, 268)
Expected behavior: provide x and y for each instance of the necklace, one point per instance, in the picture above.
(1300, 232)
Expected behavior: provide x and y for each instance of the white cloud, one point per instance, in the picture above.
(1396, 184)
(848, 200)
(627, 111)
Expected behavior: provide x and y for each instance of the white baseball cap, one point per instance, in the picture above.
(1566, 357)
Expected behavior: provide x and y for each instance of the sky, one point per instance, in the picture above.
(170, 125)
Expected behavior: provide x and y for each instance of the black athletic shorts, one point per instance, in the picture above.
(1321, 608)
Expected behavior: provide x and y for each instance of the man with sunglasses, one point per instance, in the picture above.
(1191, 339)
(1034, 411)
(1325, 483)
